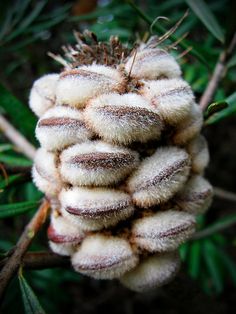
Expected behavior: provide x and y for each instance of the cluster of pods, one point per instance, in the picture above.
(122, 162)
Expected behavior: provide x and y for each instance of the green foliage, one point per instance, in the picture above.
(17, 113)
(225, 113)
(206, 254)
(9, 210)
(31, 302)
(24, 19)
(203, 12)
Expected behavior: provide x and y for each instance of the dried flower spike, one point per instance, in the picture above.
(104, 257)
(121, 145)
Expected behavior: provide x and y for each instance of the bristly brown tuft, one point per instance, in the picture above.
(89, 50)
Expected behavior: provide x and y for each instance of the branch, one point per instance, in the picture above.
(41, 260)
(16, 138)
(15, 260)
(216, 227)
(229, 196)
(218, 74)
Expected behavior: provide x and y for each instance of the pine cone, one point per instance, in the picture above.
(121, 159)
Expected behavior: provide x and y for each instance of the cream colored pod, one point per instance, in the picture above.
(42, 95)
(121, 160)
(75, 87)
(60, 127)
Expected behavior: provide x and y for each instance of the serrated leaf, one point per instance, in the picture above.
(30, 300)
(212, 265)
(10, 210)
(203, 12)
(229, 111)
(20, 115)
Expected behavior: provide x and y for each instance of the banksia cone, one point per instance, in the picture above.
(121, 159)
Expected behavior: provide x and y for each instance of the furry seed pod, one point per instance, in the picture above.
(190, 127)
(61, 126)
(95, 208)
(75, 87)
(152, 272)
(123, 118)
(42, 94)
(152, 64)
(45, 173)
(159, 177)
(163, 231)
(104, 257)
(96, 163)
(172, 98)
(196, 197)
(63, 235)
(198, 150)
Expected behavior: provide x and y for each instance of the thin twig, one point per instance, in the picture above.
(216, 227)
(41, 260)
(219, 72)
(16, 138)
(22, 245)
(229, 196)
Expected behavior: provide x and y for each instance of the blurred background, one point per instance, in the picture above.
(28, 31)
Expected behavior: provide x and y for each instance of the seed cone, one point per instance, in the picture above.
(122, 160)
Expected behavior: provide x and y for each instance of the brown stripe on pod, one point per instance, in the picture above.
(99, 211)
(102, 160)
(129, 112)
(57, 122)
(179, 90)
(83, 73)
(172, 232)
(196, 196)
(102, 263)
(159, 176)
(56, 237)
(163, 175)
